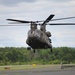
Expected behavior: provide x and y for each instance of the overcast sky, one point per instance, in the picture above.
(36, 10)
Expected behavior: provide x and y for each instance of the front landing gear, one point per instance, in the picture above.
(34, 50)
(51, 50)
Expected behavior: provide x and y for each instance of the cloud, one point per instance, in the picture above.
(13, 36)
(36, 10)
(13, 2)
(60, 0)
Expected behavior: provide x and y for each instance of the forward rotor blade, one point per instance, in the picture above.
(62, 18)
(20, 21)
(12, 25)
(48, 19)
(62, 24)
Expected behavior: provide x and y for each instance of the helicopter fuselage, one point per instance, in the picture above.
(37, 39)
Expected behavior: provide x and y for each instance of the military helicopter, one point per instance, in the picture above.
(40, 38)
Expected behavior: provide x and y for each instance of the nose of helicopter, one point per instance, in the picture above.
(34, 35)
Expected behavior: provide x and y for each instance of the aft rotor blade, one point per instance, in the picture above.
(62, 24)
(62, 18)
(48, 19)
(54, 19)
(20, 21)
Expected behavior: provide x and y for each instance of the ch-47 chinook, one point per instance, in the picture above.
(40, 38)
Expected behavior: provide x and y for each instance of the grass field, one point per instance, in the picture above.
(26, 67)
(33, 66)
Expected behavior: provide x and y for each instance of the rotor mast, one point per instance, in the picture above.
(33, 26)
(43, 26)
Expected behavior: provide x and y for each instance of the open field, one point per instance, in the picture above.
(33, 66)
(26, 67)
(36, 70)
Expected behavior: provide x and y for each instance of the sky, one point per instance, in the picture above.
(15, 36)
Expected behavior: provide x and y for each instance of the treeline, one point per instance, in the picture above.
(12, 55)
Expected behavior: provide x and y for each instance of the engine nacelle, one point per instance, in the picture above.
(48, 34)
(28, 48)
